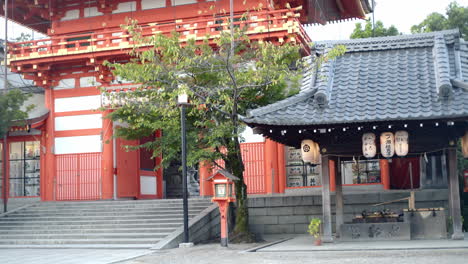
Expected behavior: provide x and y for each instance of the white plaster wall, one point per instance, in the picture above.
(65, 123)
(183, 2)
(151, 4)
(77, 103)
(148, 185)
(125, 7)
(92, 11)
(65, 84)
(88, 81)
(80, 144)
(71, 14)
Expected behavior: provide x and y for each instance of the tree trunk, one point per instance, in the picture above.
(236, 166)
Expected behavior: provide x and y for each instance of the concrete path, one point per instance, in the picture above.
(305, 243)
(68, 256)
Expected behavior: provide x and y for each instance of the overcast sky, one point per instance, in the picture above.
(401, 13)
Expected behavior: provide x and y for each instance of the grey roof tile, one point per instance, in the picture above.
(379, 79)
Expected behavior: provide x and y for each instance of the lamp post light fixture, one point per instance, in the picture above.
(183, 102)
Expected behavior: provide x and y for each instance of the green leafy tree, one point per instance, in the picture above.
(379, 31)
(223, 80)
(456, 16)
(11, 113)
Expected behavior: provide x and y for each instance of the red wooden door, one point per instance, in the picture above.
(78, 177)
(127, 169)
(399, 173)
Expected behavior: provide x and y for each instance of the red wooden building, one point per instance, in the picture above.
(70, 155)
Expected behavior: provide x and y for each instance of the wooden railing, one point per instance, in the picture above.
(282, 25)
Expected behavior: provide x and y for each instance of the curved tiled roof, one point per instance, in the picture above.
(382, 79)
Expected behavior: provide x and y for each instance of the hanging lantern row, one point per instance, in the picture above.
(465, 145)
(310, 151)
(389, 144)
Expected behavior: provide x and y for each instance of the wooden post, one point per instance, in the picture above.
(332, 170)
(338, 197)
(385, 173)
(271, 165)
(205, 171)
(454, 195)
(50, 169)
(326, 203)
(107, 157)
(281, 169)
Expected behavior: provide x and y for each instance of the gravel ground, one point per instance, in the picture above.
(213, 253)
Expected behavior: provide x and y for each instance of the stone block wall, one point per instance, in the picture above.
(291, 214)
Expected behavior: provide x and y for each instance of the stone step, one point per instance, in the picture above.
(93, 214)
(76, 241)
(133, 230)
(103, 210)
(35, 226)
(94, 218)
(87, 222)
(115, 207)
(89, 236)
(126, 202)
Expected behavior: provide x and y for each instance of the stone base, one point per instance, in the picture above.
(186, 245)
(458, 236)
(224, 242)
(375, 231)
(427, 224)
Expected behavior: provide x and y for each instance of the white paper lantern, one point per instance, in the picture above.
(369, 149)
(318, 157)
(308, 151)
(401, 143)
(465, 145)
(387, 144)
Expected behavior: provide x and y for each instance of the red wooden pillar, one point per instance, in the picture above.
(385, 174)
(223, 215)
(271, 166)
(205, 171)
(42, 175)
(107, 157)
(50, 171)
(332, 171)
(281, 169)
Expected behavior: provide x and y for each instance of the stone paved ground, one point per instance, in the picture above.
(214, 254)
(67, 256)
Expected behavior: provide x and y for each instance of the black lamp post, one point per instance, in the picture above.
(182, 101)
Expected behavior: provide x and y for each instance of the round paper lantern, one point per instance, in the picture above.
(308, 151)
(465, 145)
(387, 144)
(369, 149)
(401, 143)
(318, 157)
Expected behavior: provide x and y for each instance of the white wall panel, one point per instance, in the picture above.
(77, 103)
(125, 7)
(151, 4)
(183, 2)
(91, 12)
(71, 14)
(81, 144)
(64, 123)
(65, 84)
(148, 185)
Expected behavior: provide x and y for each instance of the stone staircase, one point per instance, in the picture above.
(126, 224)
